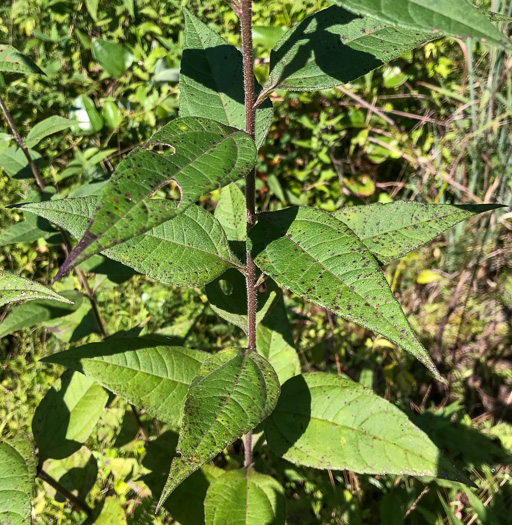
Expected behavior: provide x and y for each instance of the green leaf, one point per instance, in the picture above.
(201, 155)
(455, 18)
(212, 80)
(233, 391)
(46, 128)
(85, 113)
(274, 341)
(146, 371)
(17, 479)
(15, 163)
(92, 7)
(111, 513)
(111, 114)
(14, 289)
(267, 36)
(245, 497)
(189, 250)
(228, 298)
(328, 422)
(231, 212)
(40, 312)
(319, 258)
(67, 415)
(334, 47)
(392, 230)
(23, 231)
(12, 61)
(114, 58)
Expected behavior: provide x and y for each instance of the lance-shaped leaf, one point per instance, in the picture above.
(145, 371)
(16, 289)
(201, 155)
(12, 61)
(245, 497)
(17, 479)
(189, 250)
(228, 298)
(455, 18)
(391, 230)
(319, 258)
(274, 341)
(46, 128)
(328, 422)
(333, 47)
(232, 393)
(212, 80)
(67, 415)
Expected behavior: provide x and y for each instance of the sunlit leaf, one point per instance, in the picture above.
(392, 230)
(46, 128)
(17, 474)
(12, 61)
(146, 371)
(212, 81)
(114, 58)
(319, 258)
(328, 422)
(14, 289)
(231, 394)
(85, 113)
(231, 213)
(200, 155)
(189, 250)
(245, 497)
(67, 415)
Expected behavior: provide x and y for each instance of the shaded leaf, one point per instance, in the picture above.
(92, 7)
(274, 341)
(392, 230)
(233, 391)
(334, 47)
(67, 415)
(145, 371)
(201, 155)
(319, 258)
(455, 18)
(228, 298)
(189, 250)
(17, 475)
(114, 58)
(14, 288)
(15, 163)
(40, 312)
(245, 497)
(12, 61)
(328, 422)
(112, 512)
(23, 231)
(212, 80)
(46, 128)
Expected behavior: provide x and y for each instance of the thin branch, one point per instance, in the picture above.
(77, 502)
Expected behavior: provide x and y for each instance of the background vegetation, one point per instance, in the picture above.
(433, 127)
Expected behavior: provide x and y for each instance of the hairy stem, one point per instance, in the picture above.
(65, 236)
(77, 502)
(250, 117)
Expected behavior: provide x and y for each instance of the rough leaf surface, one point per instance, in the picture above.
(455, 18)
(189, 250)
(212, 80)
(15, 289)
(328, 422)
(334, 47)
(245, 497)
(230, 212)
(391, 230)
(199, 155)
(67, 415)
(12, 61)
(145, 371)
(230, 395)
(318, 257)
(17, 475)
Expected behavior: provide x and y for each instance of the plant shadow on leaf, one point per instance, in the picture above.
(79, 479)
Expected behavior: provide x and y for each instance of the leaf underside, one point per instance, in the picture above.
(328, 422)
(231, 394)
(145, 371)
(392, 230)
(199, 155)
(188, 250)
(318, 257)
